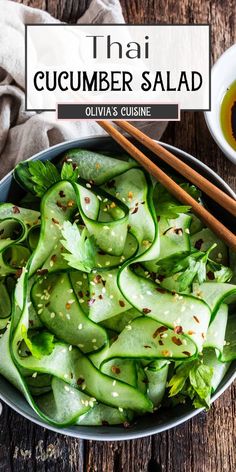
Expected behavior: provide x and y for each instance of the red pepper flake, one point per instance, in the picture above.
(145, 381)
(198, 244)
(176, 341)
(18, 273)
(115, 369)
(54, 258)
(160, 277)
(71, 375)
(80, 381)
(74, 165)
(91, 301)
(62, 194)
(210, 275)
(105, 423)
(47, 304)
(97, 279)
(1, 232)
(161, 290)
(178, 330)
(56, 222)
(135, 210)
(80, 293)
(147, 346)
(191, 332)
(159, 330)
(87, 200)
(101, 253)
(100, 297)
(68, 306)
(203, 335)
(161, 342)
(15, 209)
(196, 319)
(31, 322)
(178, 231)
(63, 207)
(42, 271)
(186, 353)
(121, 303)
(146, 311)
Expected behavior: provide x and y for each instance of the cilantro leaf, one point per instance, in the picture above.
(43, 176)
(40, 344)
(192, 190)
(192, 380)
(68, 172)
(166, 205)
(81, 248)
(193, 267)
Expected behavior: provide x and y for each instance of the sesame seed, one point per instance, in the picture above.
(80, 326)
(40, 311)
(103, 290)
(110, 249)
(114, 394)
(111, 297)
(81, 346)
(187, 231)
(106, 227)
(34, 375)
(81, 300)
(94, 340)
(114, 383)
(70, 348)
(66, 376)
(68, 316)
(90, 403)
(107, 263)
(66, 388)
(53, 315)
(88, 185)
(79, 282)
(70, 290)
(128, 327)
(120, 409)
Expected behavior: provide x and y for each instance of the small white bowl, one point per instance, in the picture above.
(223, 74)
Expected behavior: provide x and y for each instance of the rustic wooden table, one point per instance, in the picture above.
(206, 443)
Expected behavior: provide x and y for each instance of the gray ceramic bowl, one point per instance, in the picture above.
(149, 424)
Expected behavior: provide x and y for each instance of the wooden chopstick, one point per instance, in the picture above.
(215, 225)
(190, 174)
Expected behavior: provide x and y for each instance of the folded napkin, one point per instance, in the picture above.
(23, 133)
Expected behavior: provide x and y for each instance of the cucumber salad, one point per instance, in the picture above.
(115, 300)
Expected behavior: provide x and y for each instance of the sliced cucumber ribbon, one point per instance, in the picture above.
(93, 345)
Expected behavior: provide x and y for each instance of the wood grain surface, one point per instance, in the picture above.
(208, 442)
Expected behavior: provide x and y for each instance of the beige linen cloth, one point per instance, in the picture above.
(22, 133)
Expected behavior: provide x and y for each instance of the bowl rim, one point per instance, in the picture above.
(75, 431)
(220, 140)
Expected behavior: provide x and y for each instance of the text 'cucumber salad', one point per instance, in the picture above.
(114, 298)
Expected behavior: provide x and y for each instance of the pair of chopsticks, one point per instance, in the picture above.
(224, 200)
